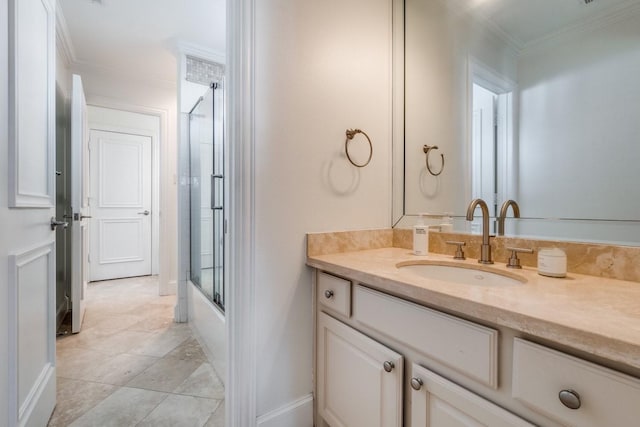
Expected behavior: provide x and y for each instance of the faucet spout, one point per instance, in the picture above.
(503, 214)
(485, 249)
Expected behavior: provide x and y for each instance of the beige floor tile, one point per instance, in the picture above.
(217, 418)
(75, 397)
(203, 382)
(188, 350)
(125, 407)
(78, 362)
(160, 343)
(115, 321)
(165, 375)
(156, 323)
(121, 368)
(86, 338)
(120, 342)
(181, 411)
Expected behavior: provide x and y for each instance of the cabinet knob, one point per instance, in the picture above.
(388, 366)
(328, 294)
(570, 399)
(416, 383)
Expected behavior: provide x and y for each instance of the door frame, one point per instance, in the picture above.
(167, 248)
(241, 382)
(156, 183)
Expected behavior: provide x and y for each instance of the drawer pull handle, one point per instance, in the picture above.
(570, 399)
(328, 294)
(388, 366)
(416, 383)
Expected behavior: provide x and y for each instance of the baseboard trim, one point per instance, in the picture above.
(276, 417)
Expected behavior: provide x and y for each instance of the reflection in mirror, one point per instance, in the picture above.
(536, 101)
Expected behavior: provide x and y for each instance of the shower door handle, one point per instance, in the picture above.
(212, 194)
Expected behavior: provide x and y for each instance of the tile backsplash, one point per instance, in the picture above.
(611, 261)
(594, 259)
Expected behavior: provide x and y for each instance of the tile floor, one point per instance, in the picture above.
(132, 366)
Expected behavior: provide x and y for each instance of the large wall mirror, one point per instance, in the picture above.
(536, 101)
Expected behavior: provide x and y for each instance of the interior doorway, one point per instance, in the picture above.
(492, 139)
(123, 203)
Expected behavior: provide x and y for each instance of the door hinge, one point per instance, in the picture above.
(89, 257)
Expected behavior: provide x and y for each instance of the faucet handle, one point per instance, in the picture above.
(459, 252)
(514, 261)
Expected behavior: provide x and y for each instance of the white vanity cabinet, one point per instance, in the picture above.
(436, 402)
(359, 380)
(382, 360)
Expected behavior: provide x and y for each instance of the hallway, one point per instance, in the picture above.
(132, 366)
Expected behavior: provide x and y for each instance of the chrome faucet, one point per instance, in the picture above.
(503, 214)
(485, 249)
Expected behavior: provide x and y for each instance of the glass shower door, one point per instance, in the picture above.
(206, 158)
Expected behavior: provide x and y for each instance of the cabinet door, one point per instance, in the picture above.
(437, 402)
(359, 379)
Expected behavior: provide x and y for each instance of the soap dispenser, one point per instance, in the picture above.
(420, 237)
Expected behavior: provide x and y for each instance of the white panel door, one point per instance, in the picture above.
(120, 205)
(79, 202)
(437, 402)
(359, 379)
(27, 205)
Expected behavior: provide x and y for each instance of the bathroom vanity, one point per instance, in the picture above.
(416, 347)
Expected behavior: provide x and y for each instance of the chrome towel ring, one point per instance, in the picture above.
(350, 134)
(427, 149)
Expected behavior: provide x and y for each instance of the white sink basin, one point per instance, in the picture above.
(461, 273)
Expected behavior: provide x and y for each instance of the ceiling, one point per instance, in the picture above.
(525, 22)
(138, 38)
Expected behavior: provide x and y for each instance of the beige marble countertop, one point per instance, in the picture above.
(597, 315)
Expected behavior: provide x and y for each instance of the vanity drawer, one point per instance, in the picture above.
(464, 346)
(606, 397)
(334, 293)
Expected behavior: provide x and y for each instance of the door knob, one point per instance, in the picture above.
(54, 223)
(388, 366)
(328, 294)
(145, 213)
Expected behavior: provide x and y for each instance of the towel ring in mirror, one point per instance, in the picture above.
(350, 134)
(427, 149)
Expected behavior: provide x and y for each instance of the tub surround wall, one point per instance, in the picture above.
(608, 261)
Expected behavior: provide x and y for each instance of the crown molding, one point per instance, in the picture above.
(514, 45)
(199, 51)
(63, 39)
(609, 17)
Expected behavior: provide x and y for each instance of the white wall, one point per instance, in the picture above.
(4, 212)
(320, 68)
(150, 97)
